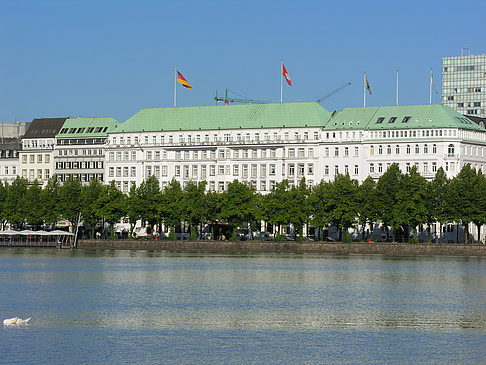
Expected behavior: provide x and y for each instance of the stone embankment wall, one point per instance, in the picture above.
(393, 249)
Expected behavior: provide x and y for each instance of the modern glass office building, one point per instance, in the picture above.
(464, 84)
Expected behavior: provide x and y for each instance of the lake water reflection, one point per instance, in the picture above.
(149, 307)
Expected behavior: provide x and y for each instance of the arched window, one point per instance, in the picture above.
(388, 149)
(417, 149)
(372, 150)
(408, 149)
(434, 148)
(450, 150)
(380, 149)
(426, 148)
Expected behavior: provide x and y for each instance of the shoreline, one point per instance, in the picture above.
(289, 247)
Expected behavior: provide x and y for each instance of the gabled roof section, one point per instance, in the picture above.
(87, 127)
(226, 117)
(44, 128)
(401, 117)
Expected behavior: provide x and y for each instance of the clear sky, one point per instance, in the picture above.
(111, 58)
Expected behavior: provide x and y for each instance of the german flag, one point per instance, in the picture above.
(183, 81)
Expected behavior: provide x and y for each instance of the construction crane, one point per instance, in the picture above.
(244, 99)
(333, 92)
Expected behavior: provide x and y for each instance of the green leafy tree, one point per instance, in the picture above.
(460, 198)
(366, 204)
(298, 207)
(70, 196)
(3, 198)
(411, 206)
(479, 208)
(149, 200)
(51, 201)
(387, 198)
(342, 203)
(194, 207)
(16, 203)
(238, 204)
(171, 207)
(274, 208)
(90, 194)
(319, 210)
(111, 205)
(34, 213)
(436, 200)
(213, 209)
(134, 207)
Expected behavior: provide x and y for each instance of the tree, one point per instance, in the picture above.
(90, 194)
(342, 202)
(194, 207)
(70, 196)
(366, 204)
(171, 207)
(34, 213)
(411, 207)
(148, 201)
(460, 198)
(387, 199)
(319, 210)
(111, 205)
(238, 204)
(51, 201)
(16, 204)
(436, 199)
(479, 202)
(3, 198)
(274, 205)
(298, 207)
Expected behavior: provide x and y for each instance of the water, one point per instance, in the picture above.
(140, 307)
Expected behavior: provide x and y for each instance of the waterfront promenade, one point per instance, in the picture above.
(392, 249)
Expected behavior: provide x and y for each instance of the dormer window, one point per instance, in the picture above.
(406, 119)
(392, 120)
(380, 120)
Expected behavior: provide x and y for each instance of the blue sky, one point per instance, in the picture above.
(97, 58)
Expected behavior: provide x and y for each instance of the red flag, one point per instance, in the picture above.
(286, 75)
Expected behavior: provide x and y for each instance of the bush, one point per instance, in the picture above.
(346, 237)
(414, 240)
(279, 238)
(172, 236)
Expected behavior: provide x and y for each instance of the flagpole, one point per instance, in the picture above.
(364, 90)
(430, 87)
(281, 85)
(175, 85)
(397, 87)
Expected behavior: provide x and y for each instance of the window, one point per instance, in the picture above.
(301, 152)
(356, 151)
(346, 151)
(417, 149)
(380, 149)
(372, 150)
(326, 170)
(133, 171)
(406, 119)
(408, 149)
(397, 149)
(434, 166)
(310, 169)
(336, 170)
(291, 152)
(380, 120)
(212, 170)
(235, 170)
(118, 172)
(426, 148)
(24, 158)
(450, 150)
(177, 171)
(372, 168)
(356, 169)
(301, 169)
(392, 120)
(272, 170)
(291, 169)
(336, 151)
(388, 150)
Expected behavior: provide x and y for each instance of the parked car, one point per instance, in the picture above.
(263, 236)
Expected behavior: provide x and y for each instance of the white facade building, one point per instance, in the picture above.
(265, 144)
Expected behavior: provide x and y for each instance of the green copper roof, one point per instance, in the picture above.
(87, 127)
(226, 117)
(400, 117)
